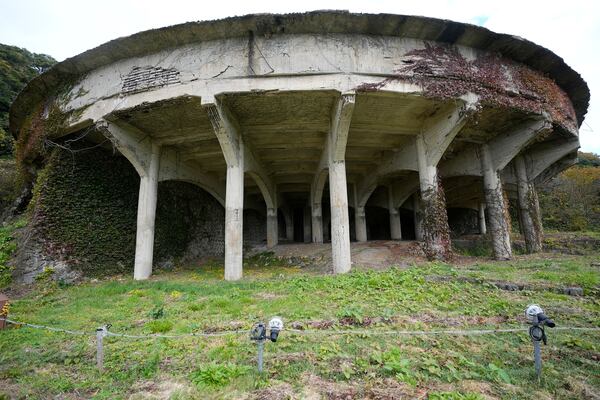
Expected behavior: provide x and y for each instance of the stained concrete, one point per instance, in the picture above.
(280, 113)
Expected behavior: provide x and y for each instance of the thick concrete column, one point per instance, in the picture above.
(482, 226)
(529, 216)
(395, 227)
(234, 222)
(338, 190)
(496, 206)
(272, 233)
(317, 223)
(436, 232)
(340, 223)
(288, 215)
(360, 223)
(144, 240)
(228, 134)
(418, 215)
(307, 220)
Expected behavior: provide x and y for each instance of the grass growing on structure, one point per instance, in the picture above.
(38, 364)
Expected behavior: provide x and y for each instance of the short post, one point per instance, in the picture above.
(259, 334)
(101, 332)
(536, 332)
(261, 347)
(536, 317)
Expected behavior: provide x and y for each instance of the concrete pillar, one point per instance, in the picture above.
(288, 215)
(144, 240)
(317, 223)
(482, 226)
(496, 206)
(418, 215)
(234, 221)
(360, 223)
(395, 227)
(272, 229)
(436, 232)
(529, 216)
(307, 225)
(340, 223)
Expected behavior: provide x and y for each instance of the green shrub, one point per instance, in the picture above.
(215, 374)
(159, 326)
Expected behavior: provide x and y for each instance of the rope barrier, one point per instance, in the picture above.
(451, 332)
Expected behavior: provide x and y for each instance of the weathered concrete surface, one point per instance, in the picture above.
(530, 220)
(278, 113)
(499, 224)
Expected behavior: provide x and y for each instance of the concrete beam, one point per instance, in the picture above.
(541, 157)
(504, 147)
(437, 133)
(338, 191)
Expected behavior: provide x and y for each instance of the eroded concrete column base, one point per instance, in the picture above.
(360, 222)
(498, 223)
(272, 232)
(529, 212)
(317, 223)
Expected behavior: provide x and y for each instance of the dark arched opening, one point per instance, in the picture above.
(378, 223)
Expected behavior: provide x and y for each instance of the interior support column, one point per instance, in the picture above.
(529, 215)
(144, 240)
(317, 223)
(482, 226)
(338, 188)
(288, 215)
(418, 216)
(496, 207)
(307, 219)
(395, 226)
(436, 232)
(234, 222)
(360, 222)
(272, 233)
(340, 223)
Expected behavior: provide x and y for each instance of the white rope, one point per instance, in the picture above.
(455, 332)
(124, 335)
(48, 328)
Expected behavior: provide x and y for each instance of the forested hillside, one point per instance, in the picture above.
(571, 200)
(17, 67)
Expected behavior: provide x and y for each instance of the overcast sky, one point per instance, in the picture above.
(64, 28)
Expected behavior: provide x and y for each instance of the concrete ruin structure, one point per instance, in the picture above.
(313, 118)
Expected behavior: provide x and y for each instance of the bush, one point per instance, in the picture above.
(217, 375)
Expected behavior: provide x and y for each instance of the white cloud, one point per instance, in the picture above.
(63, 28)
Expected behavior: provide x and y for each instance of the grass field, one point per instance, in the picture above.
(322, 364)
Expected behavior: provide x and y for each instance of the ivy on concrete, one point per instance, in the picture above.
(84, 211)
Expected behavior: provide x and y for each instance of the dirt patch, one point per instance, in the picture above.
(160, 389)
(278, 391)
(387, 389)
